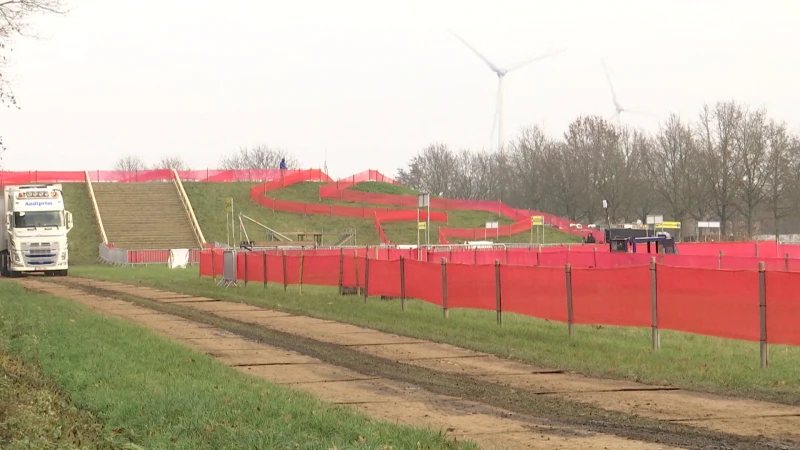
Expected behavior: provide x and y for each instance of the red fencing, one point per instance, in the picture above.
(713, 302)
(121, 176)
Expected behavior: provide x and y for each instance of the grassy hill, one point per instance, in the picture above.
(208, 201)
(84, 238)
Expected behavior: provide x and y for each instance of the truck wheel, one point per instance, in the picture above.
(4, 264)
(61, 273)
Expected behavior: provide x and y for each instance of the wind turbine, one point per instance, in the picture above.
(501, 73)
(618, 109)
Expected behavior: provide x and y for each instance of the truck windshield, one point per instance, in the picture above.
(38, 219)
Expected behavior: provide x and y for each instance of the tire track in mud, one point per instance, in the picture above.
(518, 389)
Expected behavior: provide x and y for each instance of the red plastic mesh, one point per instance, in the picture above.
(612, 296)
(471, 287)
(710, 302)
(384, 278)
(321, 270)
(534, 291)
(783, 308)
(424, 281)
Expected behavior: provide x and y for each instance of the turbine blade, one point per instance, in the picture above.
(474, 50)
(534, 59)
(610, 84)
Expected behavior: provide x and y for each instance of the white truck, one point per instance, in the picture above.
(33, 230)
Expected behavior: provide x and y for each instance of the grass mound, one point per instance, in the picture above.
(208, 201)
(378, 187)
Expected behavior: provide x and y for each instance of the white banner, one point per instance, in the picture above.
(178, 258)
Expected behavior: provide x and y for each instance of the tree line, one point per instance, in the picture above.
(255, 157)
(731, 164)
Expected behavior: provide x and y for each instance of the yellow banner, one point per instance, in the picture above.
(229, 204)
(421, 226)
(537, 220)
(671, 225)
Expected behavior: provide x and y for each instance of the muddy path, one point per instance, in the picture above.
(585, 407)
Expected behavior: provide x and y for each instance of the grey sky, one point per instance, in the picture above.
(372, 82)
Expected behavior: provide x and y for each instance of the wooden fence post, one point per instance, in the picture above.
(341, 272)
(245, 268)
(594, 250)
(498, 292)
(786, 262)
(654, 304)
(301, 272)
(403, 282)
(762, 306)
(538, 256)
(285, 278)
(444, 288)
(355, 270)
(265, 270)
(213, 267)
(756, 249)
(568, 270)
(719, 260)
(366, 278)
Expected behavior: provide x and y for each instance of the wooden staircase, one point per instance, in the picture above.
(140, 216)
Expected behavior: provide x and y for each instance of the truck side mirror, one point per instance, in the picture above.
(68, 216)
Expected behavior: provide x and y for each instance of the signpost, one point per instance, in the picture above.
(537, 221)
(423, 201)
(229, 222)
(709, 225)
(654, 220)
(493, 225)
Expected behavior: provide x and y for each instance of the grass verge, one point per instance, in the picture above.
(159, 394)
(687, 361)
(36, 414)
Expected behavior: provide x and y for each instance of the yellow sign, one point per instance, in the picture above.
(671, 225)
(421, 225)
(537, 220)
(229, 204)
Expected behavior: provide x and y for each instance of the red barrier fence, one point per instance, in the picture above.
(121, 176)
(713, 302)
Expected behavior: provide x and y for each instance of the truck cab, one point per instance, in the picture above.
(34, 227)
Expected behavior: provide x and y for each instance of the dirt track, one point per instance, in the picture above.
(474, 395)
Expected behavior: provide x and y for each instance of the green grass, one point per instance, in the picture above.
(159, 394)
(84, 238)
(377, 187)
(35, 413)
(687, 361)
(208, 201)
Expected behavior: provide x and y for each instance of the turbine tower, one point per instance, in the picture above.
(618, 109)
(501, 73)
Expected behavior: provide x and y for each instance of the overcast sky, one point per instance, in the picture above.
(370, 83)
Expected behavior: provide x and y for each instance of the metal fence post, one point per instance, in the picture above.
(355, 265)
(568, 270)
(444, 288)
(762, 306)
(719, 260)
(213, 267)
(786, 262)
(654, 303)
(265, 270)
(498, 292)
(403, 283)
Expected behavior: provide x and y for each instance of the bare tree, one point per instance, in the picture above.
(716, 136)
(172, 162)
(751, 147)
(528, 155)
(130, 163)
(782, 179)
(643, 196)
(14, 22)
(257, 157)
(432, 170)
(673, 167)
